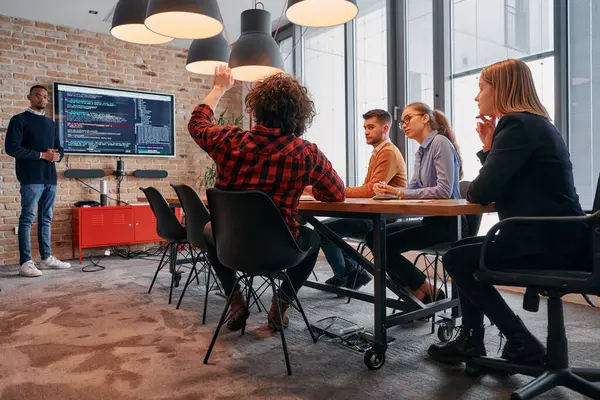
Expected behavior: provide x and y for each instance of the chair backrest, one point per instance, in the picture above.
(250, 234)
(474, 220)
(167, 224)
(196, 214)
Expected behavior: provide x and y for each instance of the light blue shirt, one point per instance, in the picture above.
(436, 169)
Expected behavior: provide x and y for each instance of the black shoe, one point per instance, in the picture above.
(465, 346)
(335, 281)
(356, 281)
(440, 296)
(523, 348)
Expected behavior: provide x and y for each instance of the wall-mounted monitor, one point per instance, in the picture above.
(113, 122)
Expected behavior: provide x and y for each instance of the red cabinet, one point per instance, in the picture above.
(144, 229)
(113, 226)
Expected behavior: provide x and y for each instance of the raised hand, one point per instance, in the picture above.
(223, 78)
(485, 129)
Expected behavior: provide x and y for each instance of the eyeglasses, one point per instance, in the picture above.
(406, 120)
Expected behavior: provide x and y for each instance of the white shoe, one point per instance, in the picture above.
(29, 270)
(53, 263)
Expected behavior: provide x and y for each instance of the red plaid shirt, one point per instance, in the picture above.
(265, 159)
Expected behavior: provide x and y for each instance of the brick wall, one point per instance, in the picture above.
(39, 53)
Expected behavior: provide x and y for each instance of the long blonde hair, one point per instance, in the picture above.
(514, 89)
(440, 123)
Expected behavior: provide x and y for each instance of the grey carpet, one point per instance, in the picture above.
(252, 366)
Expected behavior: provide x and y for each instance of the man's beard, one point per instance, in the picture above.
(40, 107)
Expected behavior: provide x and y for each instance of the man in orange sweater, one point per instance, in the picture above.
(386, 164)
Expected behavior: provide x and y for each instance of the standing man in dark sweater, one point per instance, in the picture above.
(32, 140)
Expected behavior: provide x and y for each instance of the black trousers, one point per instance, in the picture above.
(307, 239)
(479, 298)
(409, 235)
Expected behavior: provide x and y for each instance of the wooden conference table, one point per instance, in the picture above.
(380, 211)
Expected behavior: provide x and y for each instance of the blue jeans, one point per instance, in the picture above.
(32, 196)
(340, 263)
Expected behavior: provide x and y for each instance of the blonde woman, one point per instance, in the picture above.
(527, 172)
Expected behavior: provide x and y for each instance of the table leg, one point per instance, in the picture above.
(456, 312)
(375, 357)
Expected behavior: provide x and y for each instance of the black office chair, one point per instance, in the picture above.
(251, 237)
(554, 284)
(169, 229)
(196, 216)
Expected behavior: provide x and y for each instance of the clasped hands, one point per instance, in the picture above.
(51, 155)
(383, 188)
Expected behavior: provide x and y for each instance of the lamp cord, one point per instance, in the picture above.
(280, 18)
(295, 44)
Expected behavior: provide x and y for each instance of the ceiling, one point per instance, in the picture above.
(76, 13)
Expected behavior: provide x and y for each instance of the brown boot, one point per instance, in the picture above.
(273, 317)
(238, 313)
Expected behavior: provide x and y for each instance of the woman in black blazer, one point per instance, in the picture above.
(526, 171)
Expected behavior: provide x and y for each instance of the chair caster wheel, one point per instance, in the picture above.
(445, 333)
(374, 360)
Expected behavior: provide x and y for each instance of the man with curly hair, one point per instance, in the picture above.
(271, 158)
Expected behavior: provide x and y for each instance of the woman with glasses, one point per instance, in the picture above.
(437, 171)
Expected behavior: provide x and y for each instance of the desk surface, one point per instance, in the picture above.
(413, 207)
(392, 207)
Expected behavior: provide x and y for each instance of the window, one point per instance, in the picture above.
(371, 73)
(324, 76)
(516, 23)
(481, 36)
(584, 92)
(285, 47)
(419, 44)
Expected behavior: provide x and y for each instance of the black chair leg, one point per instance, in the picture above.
(589, 374)
(193, 272)
(433, 295)
(208, 274)
(582, 386)
(359, 249)
(173, 268)
(297, 301)
(354, 282)
(160, 264)
(250, 282)
(283, 342)
(315, 276)
(252, 292)
(200, 253)
(221, 322)
(538, 386)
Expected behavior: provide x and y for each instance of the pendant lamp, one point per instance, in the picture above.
(184, 19)
(255, 54)
(204, 55)
(321, 13)
(128, 23)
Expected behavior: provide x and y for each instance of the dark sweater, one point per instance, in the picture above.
(29, 135)
(528, 173)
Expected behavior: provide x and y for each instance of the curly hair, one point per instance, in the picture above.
(280, 101)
